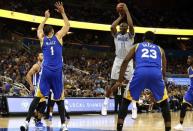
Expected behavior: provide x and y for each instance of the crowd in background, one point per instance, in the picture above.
(84, 77)
(14, 64)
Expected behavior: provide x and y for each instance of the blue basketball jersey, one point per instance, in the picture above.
(148, 55)
(52, 52)
(190, 73)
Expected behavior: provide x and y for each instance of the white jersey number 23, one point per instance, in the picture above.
(146, 53)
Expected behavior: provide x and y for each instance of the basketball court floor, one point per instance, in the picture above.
(94, 122)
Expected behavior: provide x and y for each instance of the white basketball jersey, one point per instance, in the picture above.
(123, 44)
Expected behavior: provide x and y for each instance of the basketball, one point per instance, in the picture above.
(119, 8)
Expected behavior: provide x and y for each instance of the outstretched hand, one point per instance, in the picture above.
(59, 7)
(47, 13)
(125, 8)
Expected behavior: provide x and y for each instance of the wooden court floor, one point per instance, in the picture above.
(94, 122)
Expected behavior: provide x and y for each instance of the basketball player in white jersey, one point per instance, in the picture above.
(123, 42)
(32, 78)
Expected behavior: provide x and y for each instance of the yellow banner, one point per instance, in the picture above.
(90, 26)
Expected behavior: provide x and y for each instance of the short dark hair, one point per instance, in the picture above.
(47, 29)
(149, 35)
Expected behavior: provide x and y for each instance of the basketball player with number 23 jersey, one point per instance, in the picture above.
(150, 69)
(51, 75)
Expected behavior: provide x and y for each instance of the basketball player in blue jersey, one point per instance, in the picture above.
(188, 97)
(150, 70)
(51, 74)
(32, 78)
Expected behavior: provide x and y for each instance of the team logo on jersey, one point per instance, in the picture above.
(51, 43)
(123, 38)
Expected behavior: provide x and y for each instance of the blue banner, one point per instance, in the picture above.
(21, 104)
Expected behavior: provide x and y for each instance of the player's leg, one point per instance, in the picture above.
(58, 91)
(66, 113)
(183, 111)
(188, 100)
(36, 112)
(119, 102)
(128, 77)
(116, 101)
(122, 113)
(40, 93)
(164, 105)
(157, 87)
(107, 95)
(31, 110)
(61, 110)
(179, 126)
(134, 110)
(114, 77)
(48, 109)
(136, 86)
(40, 111)
(52, 102)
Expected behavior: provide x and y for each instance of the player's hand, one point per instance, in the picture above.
(125, 8)
(31, 89)
(59, 7)
(47, 13)
(118, 83)
(115, 86)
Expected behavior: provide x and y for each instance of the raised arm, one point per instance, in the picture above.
(114, 26)
(129, 20)
(32, 71)
(40, 31)
(64, 30)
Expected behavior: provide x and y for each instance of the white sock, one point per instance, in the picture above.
(134, 104)
(106, 101)
(26, 123)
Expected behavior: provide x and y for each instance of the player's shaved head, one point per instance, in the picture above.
(123, 27)
(48, 30)
(149, 36)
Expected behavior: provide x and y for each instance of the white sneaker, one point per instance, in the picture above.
(179, 127)
(24, 127)
(64, 127)
(104, 110)
(134, 113)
